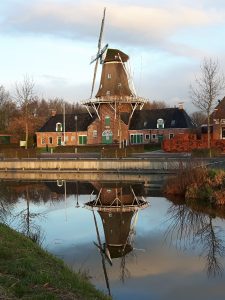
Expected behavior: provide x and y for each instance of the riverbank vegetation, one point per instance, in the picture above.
(28, 272)
(198, 184)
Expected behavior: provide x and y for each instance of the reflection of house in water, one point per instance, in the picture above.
(61, 188)
(117, 205)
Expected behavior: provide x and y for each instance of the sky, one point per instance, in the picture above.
(53, 42)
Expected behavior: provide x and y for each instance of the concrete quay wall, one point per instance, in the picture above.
(92, 165)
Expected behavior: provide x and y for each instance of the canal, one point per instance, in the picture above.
(128, 239)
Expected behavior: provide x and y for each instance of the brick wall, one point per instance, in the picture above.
(119, 128)
(164, 132)
(43, 138)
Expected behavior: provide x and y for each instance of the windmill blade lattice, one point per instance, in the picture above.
(99, 52)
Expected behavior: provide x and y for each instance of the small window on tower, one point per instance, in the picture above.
(107, 120)
(109, 76)
(95, 133)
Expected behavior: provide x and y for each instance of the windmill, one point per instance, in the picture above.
(115, 99)
(100, 53)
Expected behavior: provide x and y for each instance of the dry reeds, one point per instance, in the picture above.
(187, 176)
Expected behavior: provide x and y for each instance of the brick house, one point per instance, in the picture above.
(218, 121)
(52, 134)
(153, 126)
(190, 142)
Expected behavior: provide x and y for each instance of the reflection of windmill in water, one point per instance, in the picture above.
(116, 100)
(118, 207)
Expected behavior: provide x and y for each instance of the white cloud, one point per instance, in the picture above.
(58, 37)
(143, 25)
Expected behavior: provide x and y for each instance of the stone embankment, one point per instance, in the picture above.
(133, 165)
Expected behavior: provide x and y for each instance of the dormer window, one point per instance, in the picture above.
(58, 127)
(160, 123)
(109, 76)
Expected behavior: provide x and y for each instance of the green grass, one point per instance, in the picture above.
(28, 272)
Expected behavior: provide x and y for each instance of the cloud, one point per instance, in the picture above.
(136, 23)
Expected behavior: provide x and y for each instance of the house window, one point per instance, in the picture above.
(109, 76)
(73, 138)
(160, 123)
(119, 84)
(108, 93)
(66, 138)
(82, 139)
(58, 127)
(153, 136)
(171, 135)
(147, 136)
(59, 140)
(50, 140)
(136, 138)
(95, 133)
(43, 140)
(223, 132)
(107, 120)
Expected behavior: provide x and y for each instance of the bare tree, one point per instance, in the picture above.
(155, 105)
(7, 109)
(199, 118)
(207, 88)
(24, 96)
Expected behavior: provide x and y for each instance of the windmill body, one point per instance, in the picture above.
(115, 101)
(114, 81)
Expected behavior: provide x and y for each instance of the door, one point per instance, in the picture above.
(59, 141)
(107, 137)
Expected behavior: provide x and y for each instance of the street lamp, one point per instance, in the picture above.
(76, 143)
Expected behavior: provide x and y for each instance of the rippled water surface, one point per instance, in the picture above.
(130, 243)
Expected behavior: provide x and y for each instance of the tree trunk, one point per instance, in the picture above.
(208, 134)
(26, 127)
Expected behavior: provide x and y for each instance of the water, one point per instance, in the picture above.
(149, 249)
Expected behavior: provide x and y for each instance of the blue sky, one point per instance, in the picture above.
(53, 42)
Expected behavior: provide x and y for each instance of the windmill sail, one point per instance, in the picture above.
(99, 52)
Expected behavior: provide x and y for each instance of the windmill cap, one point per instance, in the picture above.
(115, 55)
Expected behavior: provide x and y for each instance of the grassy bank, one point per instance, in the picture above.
(198, 184)
(28, 272)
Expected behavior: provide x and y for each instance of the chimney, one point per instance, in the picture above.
(181, 105)
(53, 112)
